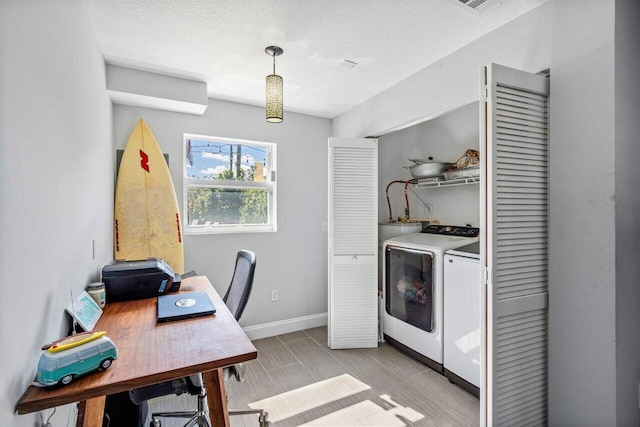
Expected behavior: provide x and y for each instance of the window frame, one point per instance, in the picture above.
(269, 185)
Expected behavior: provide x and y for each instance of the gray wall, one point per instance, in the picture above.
(293, 259)
(56, 183)
(582, 256)
(627, 107)
(445, 138)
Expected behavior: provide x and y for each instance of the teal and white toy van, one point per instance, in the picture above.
(68, 358)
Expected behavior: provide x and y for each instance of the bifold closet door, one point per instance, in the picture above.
(353, 243)
(514, 216)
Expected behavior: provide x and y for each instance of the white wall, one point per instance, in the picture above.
(453, 81)
(446, 139)
(56, 183)
(293, 259)
(627, 108)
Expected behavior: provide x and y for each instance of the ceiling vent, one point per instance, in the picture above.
(477, 6)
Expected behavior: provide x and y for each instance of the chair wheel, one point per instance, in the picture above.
(155, 423)
(262, 419)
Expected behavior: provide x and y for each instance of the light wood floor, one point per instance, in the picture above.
(287, 362)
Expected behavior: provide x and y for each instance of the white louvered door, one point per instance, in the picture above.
(353, 243)
(514, 216)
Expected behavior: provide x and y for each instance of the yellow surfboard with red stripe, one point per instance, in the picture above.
(73, 341)
(147, 220)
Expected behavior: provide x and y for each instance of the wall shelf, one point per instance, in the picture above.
(435, 183)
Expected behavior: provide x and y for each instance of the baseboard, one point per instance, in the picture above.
(285, 326)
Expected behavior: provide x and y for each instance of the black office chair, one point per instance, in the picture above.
(235, 299)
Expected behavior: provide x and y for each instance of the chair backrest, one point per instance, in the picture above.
(240, 288)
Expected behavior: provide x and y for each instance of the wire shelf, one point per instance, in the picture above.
(438, 182)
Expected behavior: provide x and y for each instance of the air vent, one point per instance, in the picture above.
(477, 6)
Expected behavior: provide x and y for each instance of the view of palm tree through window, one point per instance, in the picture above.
(227, 183)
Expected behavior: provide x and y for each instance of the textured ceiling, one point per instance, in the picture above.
(222, 42)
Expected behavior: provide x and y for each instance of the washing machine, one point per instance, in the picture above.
(413, 273)
(389, 230)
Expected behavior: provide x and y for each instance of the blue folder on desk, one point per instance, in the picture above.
(184, 306)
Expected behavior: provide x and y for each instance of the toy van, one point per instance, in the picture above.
(71, 357)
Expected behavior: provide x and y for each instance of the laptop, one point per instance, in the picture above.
(184, 306)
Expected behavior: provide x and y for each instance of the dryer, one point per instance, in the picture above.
(462, 310)
(413, 289)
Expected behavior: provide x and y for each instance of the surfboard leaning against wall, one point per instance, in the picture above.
(147, 219)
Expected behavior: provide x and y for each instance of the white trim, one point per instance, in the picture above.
(202, 229)
(285, 326)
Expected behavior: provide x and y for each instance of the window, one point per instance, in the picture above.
(229, 185)
(87, 353)
(68, 360)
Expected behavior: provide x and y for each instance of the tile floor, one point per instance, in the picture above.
(301, 365)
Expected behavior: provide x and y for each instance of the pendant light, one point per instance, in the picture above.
(274, 89)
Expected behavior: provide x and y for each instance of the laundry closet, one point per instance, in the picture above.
(420, 216)
(508, 203)
(416, 281)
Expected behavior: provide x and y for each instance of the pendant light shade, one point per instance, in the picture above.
(274, 98)
(273, 104)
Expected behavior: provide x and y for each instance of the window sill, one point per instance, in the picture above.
(229, 229)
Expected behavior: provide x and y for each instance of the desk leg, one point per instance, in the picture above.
(216, 398)
(91, 412)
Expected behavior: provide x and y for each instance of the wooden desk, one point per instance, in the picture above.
(149, 353)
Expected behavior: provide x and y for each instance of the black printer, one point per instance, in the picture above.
(129, 280)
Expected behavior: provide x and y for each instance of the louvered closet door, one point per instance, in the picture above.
(353, 260)
(514, 246)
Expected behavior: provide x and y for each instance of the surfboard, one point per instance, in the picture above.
(146, 221)
(73, 341)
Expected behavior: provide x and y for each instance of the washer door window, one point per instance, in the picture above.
(409, 286)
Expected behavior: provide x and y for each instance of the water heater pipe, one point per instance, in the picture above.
(405, 197)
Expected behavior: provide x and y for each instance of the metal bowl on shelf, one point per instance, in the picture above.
(427, 168)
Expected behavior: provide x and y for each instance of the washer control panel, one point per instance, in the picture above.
(452, 230)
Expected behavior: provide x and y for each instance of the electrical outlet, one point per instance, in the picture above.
(274, 295)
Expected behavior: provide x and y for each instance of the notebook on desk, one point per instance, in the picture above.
(184, 306)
